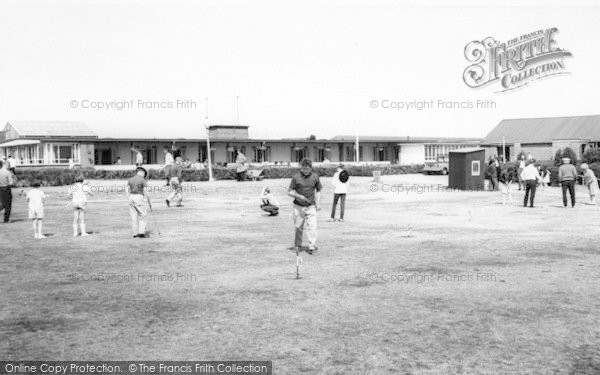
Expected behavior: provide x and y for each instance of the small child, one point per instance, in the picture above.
(268, 202)
(505, 180)
(78, 191)
(36, 198)
(590, 180)
(545, 177)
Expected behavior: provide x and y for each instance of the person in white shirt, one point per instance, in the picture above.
(169, 160)
(340, 184)
(531, 177)
(79, 191)
(11, 164)
(268, 202)
(35, 199)
(520, 165)
(139, 158)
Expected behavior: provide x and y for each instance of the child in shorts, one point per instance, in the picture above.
(78, 192)
(506, 179)
(35, 199)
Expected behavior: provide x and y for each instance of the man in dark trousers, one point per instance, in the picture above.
(305, 188)
(530, 177)
(6, 184)
(139, 202)
(567, 175)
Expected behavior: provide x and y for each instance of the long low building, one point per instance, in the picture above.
(542, 137)
(37, 143)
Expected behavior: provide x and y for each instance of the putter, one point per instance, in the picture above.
(155, 222)
(298, 263)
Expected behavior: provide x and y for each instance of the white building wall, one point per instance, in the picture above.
(412, 154)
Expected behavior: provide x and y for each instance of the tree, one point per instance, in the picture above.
(591, 155)
(567, 152)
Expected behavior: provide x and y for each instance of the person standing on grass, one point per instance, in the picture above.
(176, 180)
(545, 177)
(168, 164)
(567, 175)
(493, 168)
(35, 199)
(520, 165)
(78, 192)
(139, 158)
(505, 182)
(12, 164)
(530, 177)
(6, 184)
(590, 180)
(139, 202)
(305, 188)
(241, 166)
(340, 189)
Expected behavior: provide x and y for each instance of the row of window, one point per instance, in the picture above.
(49, 153)
(432, 151)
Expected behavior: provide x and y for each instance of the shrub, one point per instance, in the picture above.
(45, 176)
(592, 155)
(60, 176)
(567, 152)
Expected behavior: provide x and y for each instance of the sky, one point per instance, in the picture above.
(285, 68)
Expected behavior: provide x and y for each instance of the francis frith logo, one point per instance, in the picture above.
(515, 63)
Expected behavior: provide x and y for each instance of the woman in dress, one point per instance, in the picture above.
(590, 180)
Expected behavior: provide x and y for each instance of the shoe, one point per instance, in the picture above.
(168, 204)
(179, 205)
(42, 236)
(312, 251)
(341, 220)
(331, 219)
(136, 235)
(84, 234)
(75, 234)
(143, 236)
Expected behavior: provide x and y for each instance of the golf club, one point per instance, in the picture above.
(155, 222)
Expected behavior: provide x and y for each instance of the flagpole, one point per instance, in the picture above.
(207, 126)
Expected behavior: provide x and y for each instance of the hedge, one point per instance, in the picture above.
(59, 176)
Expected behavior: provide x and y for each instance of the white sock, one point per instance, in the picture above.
(83, 232)
(74, 230)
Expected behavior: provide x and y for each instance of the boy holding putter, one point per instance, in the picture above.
(305, 188)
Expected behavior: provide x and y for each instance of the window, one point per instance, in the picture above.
(379, 154)
(324, 154)
(475, 168)
(261, 154)
(298, 154)
(349, 154)
(60, 153)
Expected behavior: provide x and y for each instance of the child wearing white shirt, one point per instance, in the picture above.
(268, 202)
(340, 185)
(79, 191)
(35, 199)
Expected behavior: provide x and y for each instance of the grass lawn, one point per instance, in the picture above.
(475, 287)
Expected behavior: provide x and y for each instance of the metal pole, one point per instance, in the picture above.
(237, 108)
(210, 175)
